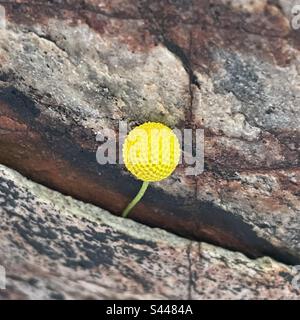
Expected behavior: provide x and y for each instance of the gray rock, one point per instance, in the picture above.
(69, 69)
(55, 247)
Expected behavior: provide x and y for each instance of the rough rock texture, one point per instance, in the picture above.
(55, 247)
(70, 68)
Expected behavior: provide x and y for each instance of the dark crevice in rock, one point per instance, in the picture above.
(156, 25)
(180, 54)
(20, 103)
(190, 280)
(111, 190)
(63, 157)
(74, 171)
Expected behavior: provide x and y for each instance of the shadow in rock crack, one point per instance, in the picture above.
(63, 158)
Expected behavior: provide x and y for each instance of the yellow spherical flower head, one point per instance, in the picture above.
(151, 151)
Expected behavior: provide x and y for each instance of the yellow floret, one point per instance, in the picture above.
(151, 151)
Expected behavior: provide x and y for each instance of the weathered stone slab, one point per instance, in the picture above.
(55, 247)
(69, 69)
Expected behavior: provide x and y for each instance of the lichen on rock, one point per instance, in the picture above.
(69, 69)
(55, 247)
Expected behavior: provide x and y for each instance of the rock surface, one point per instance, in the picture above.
(55, 247)
(69, 69)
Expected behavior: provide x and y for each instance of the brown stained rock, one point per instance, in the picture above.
(69, 69)
(55, 247)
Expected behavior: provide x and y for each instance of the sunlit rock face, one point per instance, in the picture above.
(69, 69)
(55, 247)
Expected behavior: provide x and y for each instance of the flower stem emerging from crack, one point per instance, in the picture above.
(137, 198)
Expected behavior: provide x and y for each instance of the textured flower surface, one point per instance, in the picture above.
(151, 151)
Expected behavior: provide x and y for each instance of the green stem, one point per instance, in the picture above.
(137, 198)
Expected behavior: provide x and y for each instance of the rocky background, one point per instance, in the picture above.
(69, 69)
(55, 247)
